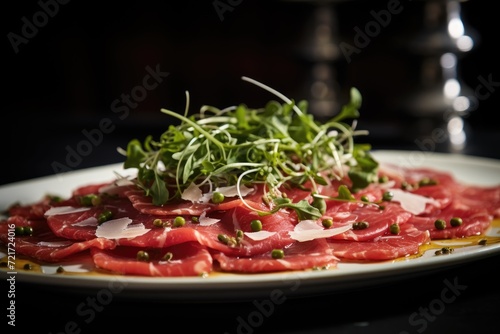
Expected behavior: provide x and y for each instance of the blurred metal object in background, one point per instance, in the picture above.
(442, 99)
(319, 49)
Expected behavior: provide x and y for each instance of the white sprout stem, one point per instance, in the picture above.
(278, 94)
(238, 186)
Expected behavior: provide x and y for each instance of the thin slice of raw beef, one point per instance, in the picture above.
(188, 259)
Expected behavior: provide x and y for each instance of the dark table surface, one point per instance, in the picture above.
(462, 299)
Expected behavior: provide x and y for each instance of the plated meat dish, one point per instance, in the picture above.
(246, 191)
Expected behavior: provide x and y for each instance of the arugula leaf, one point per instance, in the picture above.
(278, 144)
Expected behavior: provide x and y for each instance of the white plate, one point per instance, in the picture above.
(225, 287)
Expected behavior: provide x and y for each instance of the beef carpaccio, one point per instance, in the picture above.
(251, 190)
(116, 226)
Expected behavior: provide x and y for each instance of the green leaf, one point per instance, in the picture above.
(344, 193)
(135, 154)
(303, 209)
(158, 191)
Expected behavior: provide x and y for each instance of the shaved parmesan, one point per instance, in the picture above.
(207, 221)
(412, 203)
(91, 221)
(260, 235)
(192, 193)
(63, 210)
(309, 230)
(120, 228)
(54, 244)
(233, 191)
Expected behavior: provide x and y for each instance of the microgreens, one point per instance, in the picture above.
(276, 145)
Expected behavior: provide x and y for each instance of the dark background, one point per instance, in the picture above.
(64, 79)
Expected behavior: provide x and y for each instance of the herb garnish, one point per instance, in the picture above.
(276, 145)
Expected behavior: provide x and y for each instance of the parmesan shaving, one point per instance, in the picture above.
(63, 210)
(207, 221)
(260, 235)
(120, 228)
(412, 203)
(91, 221)
(192, 193)
(54, 244)
(309, 230)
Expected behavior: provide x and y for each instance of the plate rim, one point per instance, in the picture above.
(226, 287)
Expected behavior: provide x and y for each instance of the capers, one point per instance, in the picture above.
(158, 222)
(394, 228)
(383, 179)
(23, 231)
(444, 250)
(360, 225)
(142, 256)
(223, 238)
(387, 196)
(427, 182)
(277, 254)
(440, 224)
(28, 230)
(104, 216)
(90, 200)
(456, 221)
(231, 241)
(256, 225)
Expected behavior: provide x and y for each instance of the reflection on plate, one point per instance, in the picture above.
(223, 287)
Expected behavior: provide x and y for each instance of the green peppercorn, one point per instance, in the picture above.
(456, 221)
(387, 196)
(223, 238)
(383, 179)
(277, 254)
(104, 216)
(327, 223)
(394, 228)
(217, 197)
(179, 221)
(195, 219)
(256, 225)
(158, 222)
(360, 225)
(19, 230)
(365, 198)
(440, 224)
(142, 256)
(90, 200)
(28, 230)
(427, 182)
(239, 235)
